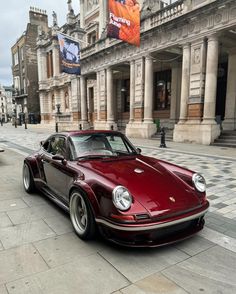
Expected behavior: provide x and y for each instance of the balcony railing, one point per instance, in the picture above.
(167, 13)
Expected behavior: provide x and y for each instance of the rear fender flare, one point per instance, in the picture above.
(31, 162)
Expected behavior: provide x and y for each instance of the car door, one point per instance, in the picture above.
(56, 171)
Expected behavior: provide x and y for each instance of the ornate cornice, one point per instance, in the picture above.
(199, 23)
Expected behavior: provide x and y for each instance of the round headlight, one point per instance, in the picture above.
(199, 182)
(121, 198)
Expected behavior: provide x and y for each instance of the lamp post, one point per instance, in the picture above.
(15, 116)
(25, 118)
(2, 111)
(58, 106)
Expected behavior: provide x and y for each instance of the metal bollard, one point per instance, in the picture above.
(56, 127)
(163, 138)
(80, 127)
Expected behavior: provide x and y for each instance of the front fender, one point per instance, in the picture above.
(86, 189)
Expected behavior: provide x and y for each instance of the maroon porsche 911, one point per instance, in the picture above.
(105, 184)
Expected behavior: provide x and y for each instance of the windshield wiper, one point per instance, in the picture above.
(97, 156)
(125, 153)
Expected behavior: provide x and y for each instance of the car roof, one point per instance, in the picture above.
(85, 132)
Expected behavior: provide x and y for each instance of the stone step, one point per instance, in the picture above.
(168, 136)
(228, 133)
(227, 137)
(226, 145)
(228, 141)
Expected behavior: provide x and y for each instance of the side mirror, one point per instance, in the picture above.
(60, 158)
(139, 150)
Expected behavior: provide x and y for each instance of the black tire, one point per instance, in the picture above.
(81, 216)
(28, 181)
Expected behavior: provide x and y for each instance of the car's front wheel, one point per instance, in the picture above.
(28, 181)
(81, 216)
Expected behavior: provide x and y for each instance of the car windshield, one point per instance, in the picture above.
(100, 145)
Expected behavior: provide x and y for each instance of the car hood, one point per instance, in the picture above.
(158, 190)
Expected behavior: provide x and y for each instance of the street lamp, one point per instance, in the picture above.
(25, 122)
(58, 106)
(15, 117)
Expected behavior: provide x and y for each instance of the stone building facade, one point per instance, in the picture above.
(182, 76)
(24, 65)
(7, 105)
(57, 90)
(3, 105)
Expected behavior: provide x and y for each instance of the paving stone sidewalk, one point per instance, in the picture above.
(40, 254)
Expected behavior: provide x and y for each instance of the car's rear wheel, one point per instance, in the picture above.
(81, 216)
(28, 181)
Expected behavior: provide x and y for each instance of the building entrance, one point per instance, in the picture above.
(221, 92)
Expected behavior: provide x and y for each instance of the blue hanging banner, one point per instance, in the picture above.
(70, 54)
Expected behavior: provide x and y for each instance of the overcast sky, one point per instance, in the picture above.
(14, 16)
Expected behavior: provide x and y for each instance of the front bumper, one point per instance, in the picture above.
(153, 234)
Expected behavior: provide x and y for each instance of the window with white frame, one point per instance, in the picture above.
(17, 83)
(15, 58)
(22, 53)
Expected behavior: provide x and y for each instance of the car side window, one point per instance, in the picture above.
(46, 145)
(58, 146)
(72, 152)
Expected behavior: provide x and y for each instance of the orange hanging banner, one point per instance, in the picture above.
(124, 21)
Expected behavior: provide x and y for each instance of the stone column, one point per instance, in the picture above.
(82, 14)
(229, 122)
(55, 58)
(62, 98)
(39, 61)
(44, 107)
(110, 100)
(69, 98)
(132, 91)
(42, 64)
(210, 130)
(185, 83)
(211, 80)
(148, 90)
(103, 11)
(101, 122)
(98, 96)
(84, 110)
(197, 81)
(143, 125)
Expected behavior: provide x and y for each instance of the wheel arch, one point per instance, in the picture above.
(32, 163)
(86, 190)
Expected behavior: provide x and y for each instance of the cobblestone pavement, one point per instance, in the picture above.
(39, 253)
